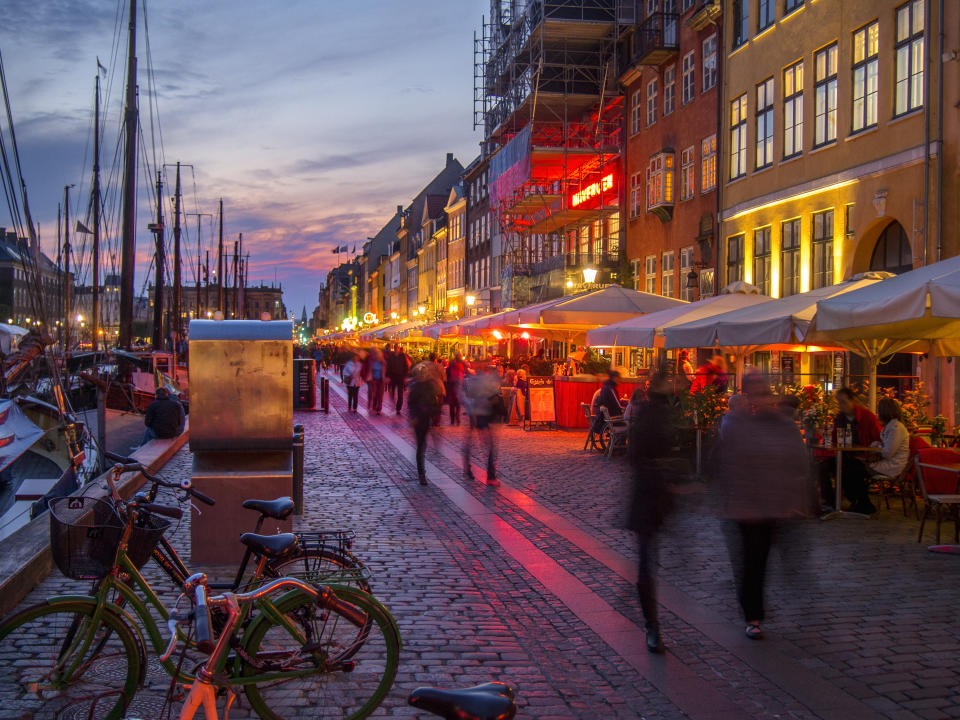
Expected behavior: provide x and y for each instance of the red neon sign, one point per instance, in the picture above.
(592, 190)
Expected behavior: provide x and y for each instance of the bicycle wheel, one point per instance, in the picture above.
(331, 633)
(57, 665)
(325, 566)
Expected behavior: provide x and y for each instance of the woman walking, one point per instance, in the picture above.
(353, 379)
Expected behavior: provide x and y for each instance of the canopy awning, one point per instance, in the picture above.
(600, 307)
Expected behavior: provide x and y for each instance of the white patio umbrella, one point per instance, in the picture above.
(589, 310)
(918, 311)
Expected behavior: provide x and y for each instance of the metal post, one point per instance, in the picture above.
(298, 469)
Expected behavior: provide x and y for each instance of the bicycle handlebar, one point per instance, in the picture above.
(165, 510)
(125, 464)
(202, 616)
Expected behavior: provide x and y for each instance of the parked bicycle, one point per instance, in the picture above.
(88, 653)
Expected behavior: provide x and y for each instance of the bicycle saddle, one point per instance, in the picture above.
(278, 509)
(490, 701)
(277, 547)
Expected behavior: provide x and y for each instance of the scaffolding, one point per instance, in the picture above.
(547, 99)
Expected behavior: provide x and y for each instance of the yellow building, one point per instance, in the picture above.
(828, 106)
(456, 210)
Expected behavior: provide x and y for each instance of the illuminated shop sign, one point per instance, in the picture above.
(369, 318)
(592, 190)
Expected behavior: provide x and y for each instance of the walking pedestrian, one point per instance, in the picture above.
(456, 372)
(762, 480)
(353, 379)
(374, 372)
(480, 393)
(397, 372)
(424, 400)
(652, 436)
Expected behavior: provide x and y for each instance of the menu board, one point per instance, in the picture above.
(304, 383)
(838, 370)
(540, 399)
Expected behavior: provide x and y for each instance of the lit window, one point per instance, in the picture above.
(688, 80)
(708, 163)
(686, 265)
(866, 50)
(660, 180)
(741, 22)
(709, 62)
(822, 246)
(636, 194)
(687, 174)
(738, 137)
(764, 14)
(909, 57)
(825, 77)
(636, 103)
(666, 274)
(651, 102)
(790, 258)
(735, 258)
(669, 89)
(793, 110)
(650, 274)
(764, 124)
(761, 259)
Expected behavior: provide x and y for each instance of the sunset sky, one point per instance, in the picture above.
(312, 120)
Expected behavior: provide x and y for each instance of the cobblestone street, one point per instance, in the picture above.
(532, 583)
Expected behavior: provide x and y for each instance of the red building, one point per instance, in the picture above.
(670, 71)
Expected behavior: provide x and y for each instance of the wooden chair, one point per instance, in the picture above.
(938, 488)
(592, 437)
(614, 432)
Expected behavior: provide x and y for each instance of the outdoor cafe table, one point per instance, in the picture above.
(839, 450)
(954, 468)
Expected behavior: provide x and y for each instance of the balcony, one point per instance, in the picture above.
(655, 40)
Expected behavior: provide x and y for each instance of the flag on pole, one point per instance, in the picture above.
(336, 250)
(81, 228)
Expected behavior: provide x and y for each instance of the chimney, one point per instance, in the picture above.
(399, 209)
(449, 158)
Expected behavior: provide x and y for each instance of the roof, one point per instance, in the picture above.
(440, 185)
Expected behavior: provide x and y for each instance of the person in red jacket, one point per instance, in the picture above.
(865, 430)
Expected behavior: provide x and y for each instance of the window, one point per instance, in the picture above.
(848, 219)
(708, 163)
(636, 195)
(651, 102)
(825, 84)
(790, 258)
(761, 259)
(793, 110)
(738, 137)
(686, 267)
(741, 22)
(650, 274)
(822, 246)
(666, 275)
(764, 124)
(735, 258)
(688, 78)
(791, 5)
(660, 180)
(909, 57)
(866, 50)
(685, 5)
(709, 62)
(669, 89)
(688, 185)
(635, 105)
(764, 14)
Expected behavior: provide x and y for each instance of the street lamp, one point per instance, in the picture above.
(589, 275)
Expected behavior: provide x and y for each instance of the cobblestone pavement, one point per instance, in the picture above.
(531, 583)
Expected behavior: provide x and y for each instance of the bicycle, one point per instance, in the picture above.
(211, 681)
(490, 701)
(89, 651)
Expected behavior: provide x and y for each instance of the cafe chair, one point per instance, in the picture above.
(593, 438)
(938, 488)
(613, 434)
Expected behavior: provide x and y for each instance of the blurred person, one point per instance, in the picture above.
(608, 398)
(397, 371)
(761, 479)
(374, 372)
(636, 401)
(713, 372)
(480, 395)
(894, 440)
(865, 430)
(353, 379)
(424, 398)
(457, 370)
(652, 437)
(685, 372)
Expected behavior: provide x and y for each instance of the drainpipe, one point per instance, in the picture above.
(939, 218)
(721, 94)
(926, 133)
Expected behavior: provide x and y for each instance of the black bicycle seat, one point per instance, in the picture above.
(278, 509)
(277, 547)
(490, 701)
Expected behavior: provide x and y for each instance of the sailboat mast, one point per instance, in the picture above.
(206, 282)
(128, 237)
(176, 261)
(199, 265)
(66, 268)
(95, 299)
(60, 286)
(236, 267)
(220, 262)
(159, 261)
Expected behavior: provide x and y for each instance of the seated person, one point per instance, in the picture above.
(894, 441)
(865, 429)
(164, 417)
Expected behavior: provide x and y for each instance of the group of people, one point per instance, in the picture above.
(381, 371)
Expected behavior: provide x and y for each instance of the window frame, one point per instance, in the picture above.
(688, 78)
(686, 265)
(790, 5)
(637, 195)
(738, 137)
(669, 89)
(822, 242)
(636, 103)
(793, 108)
(793, 250)
(740, 22)
(688, 176)
(708, 164)
(667, 274)
(650, 274)
(825, 98)
(762, 257)
(869, 62)
(652, 97)
(734, 259)
(763, 124)
(913, 43)
(661, 183)
(709, 50)
(770, 6)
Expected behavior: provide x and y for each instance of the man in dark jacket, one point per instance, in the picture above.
(426, 396)
(164, 418)
(608, 399)
(398, 366)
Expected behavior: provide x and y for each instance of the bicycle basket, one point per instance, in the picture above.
(144, 538)
(84, 535)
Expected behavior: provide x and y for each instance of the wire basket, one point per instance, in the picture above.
(86, 532)
(84, 535)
